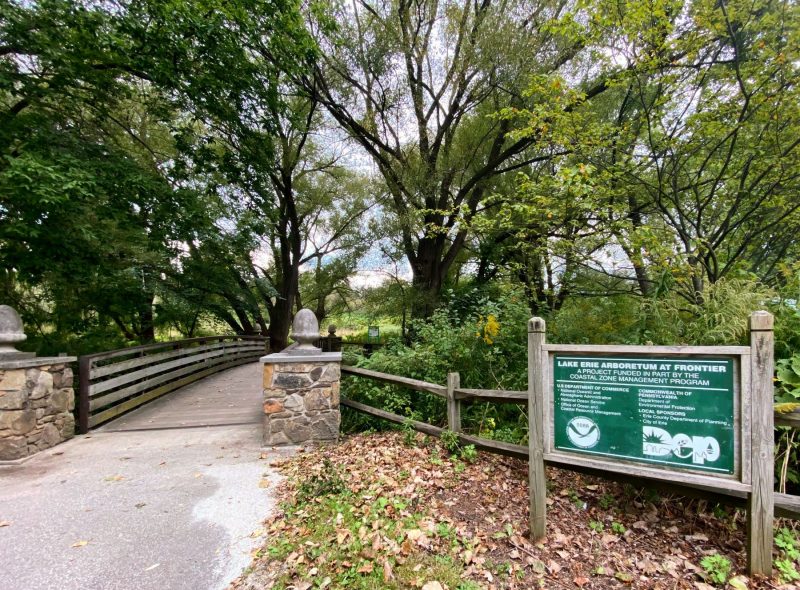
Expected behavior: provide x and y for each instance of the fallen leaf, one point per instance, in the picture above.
(647, 566)
(432, 586)
(366, 568)
(264, 483)
(580, 581)
(467, 556)
(388, 574)
(738, 583)
(607, 539)
(5, 523)
(152, 567)
(553, 567)
(537, 566)
(414, 534)
(624, 577)
(690, 566)
(80, 543)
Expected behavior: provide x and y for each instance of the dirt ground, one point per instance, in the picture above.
(473, 517)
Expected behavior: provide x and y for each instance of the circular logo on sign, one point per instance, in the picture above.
(583, 432)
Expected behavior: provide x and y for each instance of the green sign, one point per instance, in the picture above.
(373, 334)
(676, 412)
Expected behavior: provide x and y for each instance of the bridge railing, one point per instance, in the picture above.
(114, 382)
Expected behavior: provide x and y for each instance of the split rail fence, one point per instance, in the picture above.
(754, 440)
(117, 381)
(786, 505)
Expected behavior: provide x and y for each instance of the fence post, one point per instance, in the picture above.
(537, 488)
(760, 502)
(84, 373)
(453, 405)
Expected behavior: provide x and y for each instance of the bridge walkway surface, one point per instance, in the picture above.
(170, 496)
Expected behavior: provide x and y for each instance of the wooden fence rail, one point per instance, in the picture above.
(114, 382)
(510, 396)
(786, 506)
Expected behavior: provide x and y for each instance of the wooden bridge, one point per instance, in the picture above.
(112, 383)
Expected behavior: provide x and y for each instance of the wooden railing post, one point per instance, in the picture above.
(84, 374)
(760, 504)
(453, 405)
(537, 488)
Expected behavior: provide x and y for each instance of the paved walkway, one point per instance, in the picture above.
(153, 501)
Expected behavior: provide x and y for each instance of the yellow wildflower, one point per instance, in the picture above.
(490, 329)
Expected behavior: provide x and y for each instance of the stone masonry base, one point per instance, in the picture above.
(36, 406)
(301, 402)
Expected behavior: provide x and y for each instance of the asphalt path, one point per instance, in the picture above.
(155, 505)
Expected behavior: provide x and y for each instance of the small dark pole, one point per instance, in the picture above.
(84, 369)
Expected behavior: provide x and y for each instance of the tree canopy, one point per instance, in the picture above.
(193, 167)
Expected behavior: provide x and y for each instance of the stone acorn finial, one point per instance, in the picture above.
(305, 331)
(11, 332)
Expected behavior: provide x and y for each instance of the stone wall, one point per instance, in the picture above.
(301, 401)
(36, 403)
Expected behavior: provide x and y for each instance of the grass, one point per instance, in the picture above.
(339, 539)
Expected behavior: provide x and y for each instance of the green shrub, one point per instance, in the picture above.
(717, 568)
(450, 441)
(483, 339)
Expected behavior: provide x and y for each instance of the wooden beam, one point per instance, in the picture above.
(501, 396)
(395, 380)
(151, 359)
(453, 405)
(760, 505)
(537, 480)
(611, 349)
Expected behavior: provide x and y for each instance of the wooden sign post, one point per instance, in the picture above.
(694, 415)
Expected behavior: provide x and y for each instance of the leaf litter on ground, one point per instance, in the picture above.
(371, 512)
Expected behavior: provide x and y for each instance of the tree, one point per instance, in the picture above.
(416, 85)
(101, 108)
(292, 205)
(694, 154)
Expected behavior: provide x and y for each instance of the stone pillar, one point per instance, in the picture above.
(301, 389)
(36, 395)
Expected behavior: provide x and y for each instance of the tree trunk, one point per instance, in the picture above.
(279, 323)
(429, 272)
(147, 330)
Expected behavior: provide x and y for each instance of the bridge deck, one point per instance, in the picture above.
(228, 398)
